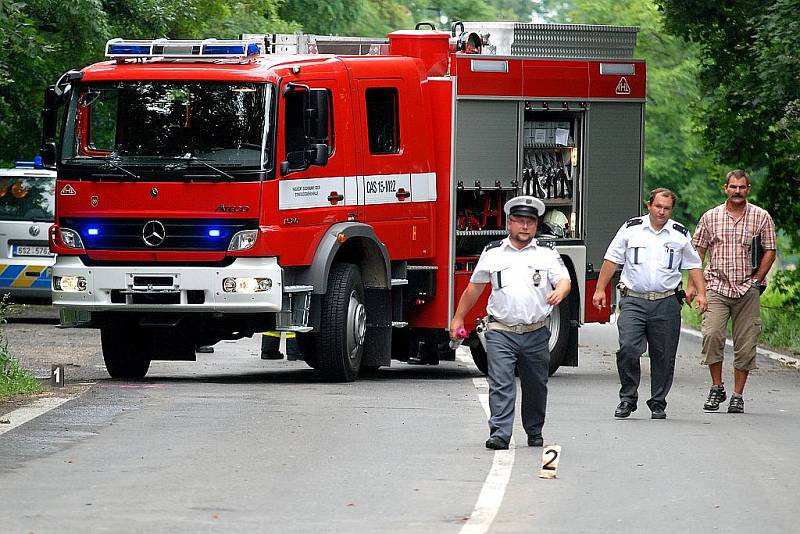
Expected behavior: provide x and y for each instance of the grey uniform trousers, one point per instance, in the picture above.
(529, 353)
(655, 326)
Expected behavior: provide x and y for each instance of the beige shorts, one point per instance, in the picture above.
(745, 314)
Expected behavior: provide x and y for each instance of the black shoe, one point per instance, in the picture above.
(497, 443)
(624, 409)
(736, 405)
(658, 413)
(715, 396)
(272, 355)
(535, 440)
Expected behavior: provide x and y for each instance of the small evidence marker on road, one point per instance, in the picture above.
(550, 457)
(57, 375)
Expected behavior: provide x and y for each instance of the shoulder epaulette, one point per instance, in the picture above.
(634, 222)
(547, 244)
(493, 244)
(682, 229)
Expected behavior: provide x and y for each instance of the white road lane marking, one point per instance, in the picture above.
(494, 487)
(788, 361)
(20, 416)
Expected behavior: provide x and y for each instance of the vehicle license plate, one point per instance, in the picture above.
(25, 250)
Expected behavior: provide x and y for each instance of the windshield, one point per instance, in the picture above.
(126, 129)
(26, 198)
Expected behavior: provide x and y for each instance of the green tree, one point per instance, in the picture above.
(674, 152)
(750, 78)
(42, 39)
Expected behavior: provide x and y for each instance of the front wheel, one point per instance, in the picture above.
(126, 356)
(343, 325)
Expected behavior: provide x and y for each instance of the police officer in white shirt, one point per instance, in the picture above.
(652, 250)
(528, 278)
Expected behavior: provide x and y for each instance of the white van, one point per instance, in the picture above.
(27, 210)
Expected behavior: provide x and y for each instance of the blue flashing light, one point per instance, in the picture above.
(93, 231)
(223, 49)
(134, 50)
(253, 49)
(213, 233)
(37, 162)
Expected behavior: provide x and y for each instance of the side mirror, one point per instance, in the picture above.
(318, 154)
(49, 114)
(48, 154)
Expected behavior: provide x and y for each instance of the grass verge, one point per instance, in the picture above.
(13, 379)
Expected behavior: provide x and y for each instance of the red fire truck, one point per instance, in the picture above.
(338, 188)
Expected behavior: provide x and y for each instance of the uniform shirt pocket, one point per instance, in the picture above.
(672, 256)
(501, 278)
(637, 252)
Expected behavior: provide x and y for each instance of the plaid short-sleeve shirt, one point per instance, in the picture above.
(728, 242)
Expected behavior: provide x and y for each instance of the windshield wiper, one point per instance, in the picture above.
(111, 163)
(194, 159)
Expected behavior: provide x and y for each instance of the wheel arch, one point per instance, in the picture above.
(359, 246)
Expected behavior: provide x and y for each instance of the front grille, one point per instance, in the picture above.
(179, 234)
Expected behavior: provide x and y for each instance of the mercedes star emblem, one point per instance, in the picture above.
(153, 233)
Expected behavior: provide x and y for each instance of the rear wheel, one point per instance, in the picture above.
(126, 356)
(478, 354)
(558, 323)
(343, 325)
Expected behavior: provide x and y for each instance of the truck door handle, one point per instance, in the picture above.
(334, 198)
(402, 194)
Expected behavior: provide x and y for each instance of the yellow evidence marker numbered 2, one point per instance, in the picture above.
(550, 456)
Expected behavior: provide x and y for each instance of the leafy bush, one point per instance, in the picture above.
(13, 378)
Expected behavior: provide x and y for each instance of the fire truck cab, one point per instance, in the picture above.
(339, 188)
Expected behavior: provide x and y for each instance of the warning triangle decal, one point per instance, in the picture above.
(623, 88)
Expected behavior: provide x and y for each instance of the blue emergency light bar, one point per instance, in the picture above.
(35, 164)
(198, 49)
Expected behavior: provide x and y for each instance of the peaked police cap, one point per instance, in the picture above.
(524, 206)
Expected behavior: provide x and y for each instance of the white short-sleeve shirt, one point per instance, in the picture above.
(652, 261)
(521, 280)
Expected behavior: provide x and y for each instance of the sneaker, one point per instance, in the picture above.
(715, 396)
(736, 405)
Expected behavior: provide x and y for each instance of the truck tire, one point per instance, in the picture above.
(559, 334)
(308, 348)
(343, 325)
(478, 353)
(123, 351)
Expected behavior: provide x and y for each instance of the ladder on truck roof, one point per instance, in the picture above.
(306, 43)
(516, 39)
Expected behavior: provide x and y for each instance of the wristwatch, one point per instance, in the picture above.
(755, 281)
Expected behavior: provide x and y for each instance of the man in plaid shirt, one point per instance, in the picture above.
(726, 232)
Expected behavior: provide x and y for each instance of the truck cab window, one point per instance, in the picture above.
(382, 120)
(294, 133)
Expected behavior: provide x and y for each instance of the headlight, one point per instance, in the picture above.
(70, 238)
(246, 285)
(243, 240)
(69, 284)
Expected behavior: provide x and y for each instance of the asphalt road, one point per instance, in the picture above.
(234, 443)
